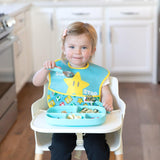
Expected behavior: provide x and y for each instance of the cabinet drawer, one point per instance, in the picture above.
(8, 119)
(130, 12)
(7, 99)
(20, 22)
(79, 13)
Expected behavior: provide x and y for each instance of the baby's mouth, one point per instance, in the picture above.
(77, 57)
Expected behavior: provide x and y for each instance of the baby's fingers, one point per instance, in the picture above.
(53, 64)
(49, 64)
(109, 108)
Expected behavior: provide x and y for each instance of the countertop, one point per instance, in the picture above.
(102, 3)
(15, 8)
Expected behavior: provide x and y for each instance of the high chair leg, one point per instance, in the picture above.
(119, 157)
(38, 156)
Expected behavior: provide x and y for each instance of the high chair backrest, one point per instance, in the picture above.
(118, 103)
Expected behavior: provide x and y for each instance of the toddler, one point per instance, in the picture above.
(78, 46)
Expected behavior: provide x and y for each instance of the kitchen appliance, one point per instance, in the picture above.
(8, 103)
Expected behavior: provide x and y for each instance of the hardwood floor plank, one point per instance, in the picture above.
(146, 105)
(151, 141)
(131, 130)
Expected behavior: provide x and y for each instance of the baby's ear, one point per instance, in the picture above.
(62, 48)
(93, 51)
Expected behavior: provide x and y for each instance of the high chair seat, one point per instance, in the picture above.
(112, 127)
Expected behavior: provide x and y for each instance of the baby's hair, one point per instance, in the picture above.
(78, 28)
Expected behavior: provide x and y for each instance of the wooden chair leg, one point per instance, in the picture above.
(38, 156)
(119, 157)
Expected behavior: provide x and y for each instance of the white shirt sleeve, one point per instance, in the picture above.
(106, 82)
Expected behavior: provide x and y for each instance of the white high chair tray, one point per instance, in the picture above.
(112, 123)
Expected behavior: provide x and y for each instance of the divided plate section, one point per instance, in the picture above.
(76, 115)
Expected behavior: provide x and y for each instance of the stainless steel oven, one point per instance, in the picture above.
(8, 103)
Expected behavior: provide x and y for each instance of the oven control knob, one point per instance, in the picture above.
(1, 27)
(10, 22)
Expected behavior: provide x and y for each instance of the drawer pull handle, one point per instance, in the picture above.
(51, 22)
(81, 14)
(130, 13)
(21, 20)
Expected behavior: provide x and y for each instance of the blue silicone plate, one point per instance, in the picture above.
(74, 116)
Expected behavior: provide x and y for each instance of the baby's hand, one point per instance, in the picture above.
(49, 64)
(108, 106)
(107, 99)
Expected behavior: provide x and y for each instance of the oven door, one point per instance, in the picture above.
(7, 77)
(8, 103)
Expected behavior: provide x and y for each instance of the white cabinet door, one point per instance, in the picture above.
(20, 60)
(98, 25)
(130, 46)
(28, 45)
(22, 52)
(42, 36)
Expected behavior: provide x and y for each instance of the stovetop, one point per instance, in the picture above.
(2, 14)
(6, 24)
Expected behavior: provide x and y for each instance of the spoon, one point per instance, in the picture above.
(68, 74)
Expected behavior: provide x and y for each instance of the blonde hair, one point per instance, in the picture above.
(78, 28)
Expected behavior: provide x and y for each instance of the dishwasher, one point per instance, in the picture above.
(91, 15)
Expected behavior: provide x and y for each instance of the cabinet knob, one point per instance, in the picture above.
(10, 22)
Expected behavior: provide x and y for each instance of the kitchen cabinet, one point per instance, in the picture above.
(43, 36)
(22, 52)
(48, 25)
(126, 37)
(130, 41)
(28, 45)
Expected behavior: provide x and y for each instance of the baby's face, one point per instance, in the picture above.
(78, 50)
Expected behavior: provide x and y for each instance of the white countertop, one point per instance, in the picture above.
(14, 8)
(102, 3)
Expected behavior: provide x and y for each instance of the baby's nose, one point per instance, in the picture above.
(78, 51)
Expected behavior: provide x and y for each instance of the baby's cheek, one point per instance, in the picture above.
(68, 56)
(87, 56)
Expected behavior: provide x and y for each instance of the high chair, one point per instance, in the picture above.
(112, 127)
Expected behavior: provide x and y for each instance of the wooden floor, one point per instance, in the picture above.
(141, 133)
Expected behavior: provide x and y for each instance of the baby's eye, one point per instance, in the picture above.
(71, 47)
(84, 47)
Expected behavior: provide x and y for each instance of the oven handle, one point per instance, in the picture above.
(6, 42)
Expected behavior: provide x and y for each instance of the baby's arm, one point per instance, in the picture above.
(107, 98)
(40, 77)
